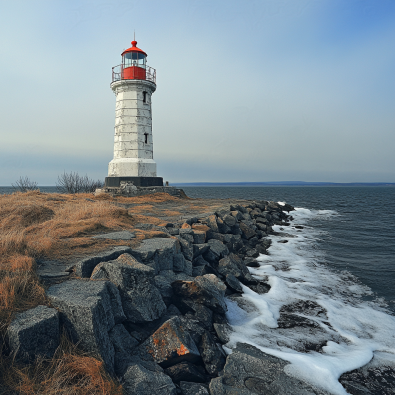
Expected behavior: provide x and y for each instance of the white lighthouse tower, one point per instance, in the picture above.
(133, 83)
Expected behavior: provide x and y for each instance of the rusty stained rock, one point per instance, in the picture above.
(172, 344)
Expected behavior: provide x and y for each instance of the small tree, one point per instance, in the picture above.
(74, 183)
(24, 184)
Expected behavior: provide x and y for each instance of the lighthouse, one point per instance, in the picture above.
(133, 83)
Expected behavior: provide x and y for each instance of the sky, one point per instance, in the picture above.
(252, 90)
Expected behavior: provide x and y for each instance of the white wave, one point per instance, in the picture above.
(350, 330)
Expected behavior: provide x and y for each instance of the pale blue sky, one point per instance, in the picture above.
(265, 90)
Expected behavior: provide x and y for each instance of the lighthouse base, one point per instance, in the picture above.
(115, 182)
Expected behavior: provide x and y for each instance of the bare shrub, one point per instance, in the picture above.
(24, 184)
(74, 183)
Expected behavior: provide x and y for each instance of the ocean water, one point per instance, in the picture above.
(343, 260)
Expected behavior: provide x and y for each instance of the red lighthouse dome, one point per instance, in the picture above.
(134, 66)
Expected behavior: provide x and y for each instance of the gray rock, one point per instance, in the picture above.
(213, 356)
(246, 230)
(223, 211)
(122, 235)
(124, 345)
(222, 227)
(233, 283)
(199, 249)
(232, 264)
(179, 262)
(84, 267)
(141, 300)
(187, 234)
(142, 381)
(188, 269)
(161, 251)
(249, 371)
(229, 220)
(88, 311)
(171, 344)
(193, 388)
(186, 248)
(223, 331)
(252, 253)
(212, 223)
(199, 270)
(238, 207)
(218, 248)
(185, 371)
(237, 215)
(163, 284)
(34, 333)
(199, 237)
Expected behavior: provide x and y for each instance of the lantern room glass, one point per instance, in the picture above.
(130, 59)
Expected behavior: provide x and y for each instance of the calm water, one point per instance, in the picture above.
(359, 239)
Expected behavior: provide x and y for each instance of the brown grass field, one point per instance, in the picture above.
(34, 225)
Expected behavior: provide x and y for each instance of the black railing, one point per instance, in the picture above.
(118, 73)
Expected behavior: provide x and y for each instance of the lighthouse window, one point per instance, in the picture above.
(141, 60)
(146, 138)
(144, 97)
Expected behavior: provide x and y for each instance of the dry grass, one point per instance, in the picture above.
(69, 372)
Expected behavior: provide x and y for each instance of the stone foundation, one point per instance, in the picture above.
(127, 189)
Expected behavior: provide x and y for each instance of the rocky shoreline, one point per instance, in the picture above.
(156, 314)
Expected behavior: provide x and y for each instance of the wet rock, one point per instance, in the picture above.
(249, 371)
(88, 311)
(283, 241)
(140, 380)
(251, 262)
(233, 283)
(159, 250)
(223, 331)
(247, 231)
(305, 307)
(34, 333)
(218, 248)
(171, 344)
(208, 290)
(260, 288)
(193, 388)
(252, 253)
(232, 264)
(84, 267)
(141, 300)
(186, 371)
(213, 356)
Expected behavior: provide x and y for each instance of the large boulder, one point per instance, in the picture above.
(171, 344)
(157, 252)
(141, 300)
(186, 371)
(218, 248)
(88, 311)
(212, 223)
(84, 267)
(208, 290)
(189, 388)
(247, 231)
(249, 371)
(34, 333)
(232, 264)
(212, 354)
(186, 248)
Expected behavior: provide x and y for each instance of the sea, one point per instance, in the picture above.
(341, 257)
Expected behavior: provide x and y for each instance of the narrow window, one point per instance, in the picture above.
(146, 138)
(144, 97)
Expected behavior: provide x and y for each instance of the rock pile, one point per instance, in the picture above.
(156, 314)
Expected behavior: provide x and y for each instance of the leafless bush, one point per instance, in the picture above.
(74, 183)
(24, 184)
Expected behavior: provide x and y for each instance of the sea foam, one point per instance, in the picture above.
(347, 331)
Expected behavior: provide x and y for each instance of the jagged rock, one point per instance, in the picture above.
(142, 381)
(185, 371)
(188, 270)
(34, 333)
(161, 251)
(218, 248)
(246, 230)
(171, 344)
(186, 248)
(238, 207)
(213, 356)
(199, 249)
(84, 267)
(222, 331)
(199, 237)
(193, 388)
(237, 214)
(191, 221)
(217, 236)
(229, 220)
(251, 262)
(249, 371)
(201, 228)
(163, 284)
(88, 311)
(199, 270)
(232, 264)
(124, 345)
(173, 231)
(222, 211)
(187, 234)
(212, 223)
(179, 262)
(141, 300)
(208, 290)
(252, 253)
(233, 283)
(222, 226)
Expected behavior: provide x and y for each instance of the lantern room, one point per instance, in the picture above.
(134, 66)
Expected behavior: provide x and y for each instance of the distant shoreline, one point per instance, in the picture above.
(284, 184)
